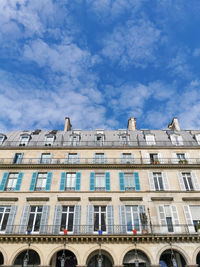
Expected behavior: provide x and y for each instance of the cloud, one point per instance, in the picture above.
(132, 44)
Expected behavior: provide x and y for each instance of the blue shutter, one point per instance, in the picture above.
(48, 183)
(121, 181)
(92, 181)
(78, 181)
(33, 181)
(107, 177)
(19, 181)
(137, 181)
(3, 181)
(62, 181)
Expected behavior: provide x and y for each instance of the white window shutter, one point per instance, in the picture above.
(187, 157)
(67, 157)
(165, 181)
(195, 181)
(90, 219)
(77, 219)
(174, 158)
(122, 219)
(177, 227)
(151, 182)
(180, 178)
(162, 217)
(160, 158)
(110, 219)
(188, 218)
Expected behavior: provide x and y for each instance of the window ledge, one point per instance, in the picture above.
(131, 198)
(100, 198)
(8, 198)
(162, 198)
(37, 199)
(191, 198)
(69, 198)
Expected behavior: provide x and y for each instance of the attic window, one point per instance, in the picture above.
(177, 140)
(150, 139)
(2, 138)
(24, 139)
(49, 140)
(37, 131)
(197, 137)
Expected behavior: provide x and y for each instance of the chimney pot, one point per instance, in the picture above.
(132, 124)
(174, 125)
(67, 124)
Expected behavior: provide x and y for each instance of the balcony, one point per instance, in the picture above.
(90, 144)
(135, 161)
(114, 230)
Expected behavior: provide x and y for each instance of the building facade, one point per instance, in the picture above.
(124, 197)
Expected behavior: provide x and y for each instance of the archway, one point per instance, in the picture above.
(93, 259)
(31, 255)
(69, 259)
(134, 256)
(172, 258)
(198, 259)
(1, 259)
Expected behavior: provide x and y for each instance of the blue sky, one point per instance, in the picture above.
(99, 62)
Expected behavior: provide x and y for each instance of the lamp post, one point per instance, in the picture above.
(63, 257)
(173, 258)
(136, 256)
(26, 257)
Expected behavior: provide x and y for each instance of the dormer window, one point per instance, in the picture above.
(75, 139)
(197, 137)
(24, 139)
(124, 139)
(49, 140)
(2, 138)
(99, 140)
(176, 139)
(150, 139)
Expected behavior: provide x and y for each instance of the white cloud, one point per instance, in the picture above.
(132, 44)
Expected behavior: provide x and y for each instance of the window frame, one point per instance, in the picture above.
(187, 183)
(2, 218)
(69, 175)
(24, 143)
(133, 225)
(38, 178)
(98, 176)
(49, 143)
(68, 212)
(127, 177)
(151, 142)
(158, 177)
(36, 213)
(45, 160)
(100, 212)
(8, 189)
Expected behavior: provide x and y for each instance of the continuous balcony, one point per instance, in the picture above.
(92, 144)
(102, 161)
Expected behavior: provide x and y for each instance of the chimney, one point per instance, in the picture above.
(174, 125)
(132, 124)
(67, 124)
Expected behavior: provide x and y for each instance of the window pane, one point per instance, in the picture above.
(63, 221)
(103, 221)
(30, 221)
(169, 224)
(96, 221)
(37, 222)
(160, 183)
(70, 222)
(4, 223)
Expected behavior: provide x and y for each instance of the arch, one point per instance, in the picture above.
(67, 256)
(19, 250)
(175, 248)
(4, 254)
(145, 251)
(34, 257)
(57, 249)
(195, 254)
(1, 258)
(104, 249)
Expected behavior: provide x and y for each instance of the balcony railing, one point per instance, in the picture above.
(180, 229)
(107, 161)
(141, 143)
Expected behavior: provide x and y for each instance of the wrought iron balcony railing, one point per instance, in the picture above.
(180, 229)
(81, 143)
(105, 161)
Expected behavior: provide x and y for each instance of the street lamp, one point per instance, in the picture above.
(173, 258)
(26, 257)
(136, 257)
(63, 257)
(100, 258)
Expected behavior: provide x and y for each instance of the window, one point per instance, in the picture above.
(70, 181)
(187, 180)
(17, 158)
(99, 158)
(124, 138)
(99, 218)
(100, 182)
(150, 139)
(45, 158)
(197, 137)
(132, 218)
(195, 214)
(153, 157)
(67, 218)
(24, 139)
(158, 181)
(129, 181)
(49, 140)
(177, 140)
(169, 219)
(75, 140)
(127, 158)
(72, 158)
(41, 182)
(34, 218)
(11, 182)
(99, 140)
(4, 214)
(2, 138)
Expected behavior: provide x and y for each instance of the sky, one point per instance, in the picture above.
(99, 62)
